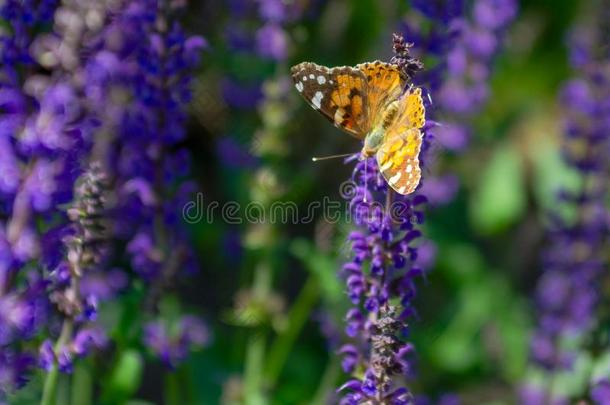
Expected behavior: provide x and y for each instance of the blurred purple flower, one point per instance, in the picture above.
(46, 355)
(440, 190)
(461, 41)
(117, 87)
(568, 294)
(146, 61)
(14, 369)
(42, 132)
(600, 393)
(272, 42)
(172, 342)
(103, 284)
(274, 11)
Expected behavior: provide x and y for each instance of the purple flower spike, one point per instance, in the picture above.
(381, 280)
(569, 295)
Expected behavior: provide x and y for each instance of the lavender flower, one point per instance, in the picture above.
(381, 285)
(84, 251)
(43, 130)
(568, 293)
(140, 74)
(154, 79)
(402, 56)
(84, 247)
(111, 97)
(381, 280)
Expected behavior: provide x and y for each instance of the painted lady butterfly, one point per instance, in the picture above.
(367, 101)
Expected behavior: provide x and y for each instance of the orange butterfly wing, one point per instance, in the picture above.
(339, 94)
(384, 85)
(352, 98)
(398, 155)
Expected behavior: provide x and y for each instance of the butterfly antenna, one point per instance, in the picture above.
(318, 158)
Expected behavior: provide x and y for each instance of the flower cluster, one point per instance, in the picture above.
(386, 246)
(42, 131)
(140, 78)
(568, 292)
(402, 56)
(381, 286)
(459, 49)
(84, 245)
(468, 62)
(85, 81)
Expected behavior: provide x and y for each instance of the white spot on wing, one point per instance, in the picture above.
(299, 86)
(339, 115)
(402, 190)
(409, 168)
(312, 76)
(321, 79)
(395, 178)
(317, 99)
(386, 166)
(304, 78)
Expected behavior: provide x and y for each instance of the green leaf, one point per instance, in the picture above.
(125, 378)
(601, 368)
(499, 201)
(552, 174)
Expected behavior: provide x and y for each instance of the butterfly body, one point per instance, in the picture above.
(369, 101)
(374, 139)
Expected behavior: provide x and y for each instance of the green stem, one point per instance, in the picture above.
(253, 376)
(82, 385)
(49, 392)
(172, 388)
(255, 349)
(297, 316)
(187, 384)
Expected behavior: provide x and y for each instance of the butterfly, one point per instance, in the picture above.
(369, 102)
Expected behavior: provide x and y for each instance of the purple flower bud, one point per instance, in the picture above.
(65, 360)
(46, 356)
(272, 42)
(87, 339)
